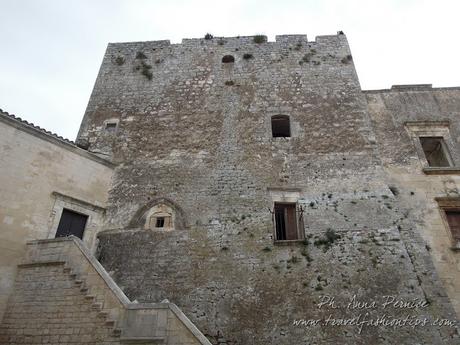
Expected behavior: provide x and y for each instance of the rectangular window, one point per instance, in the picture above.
(435, 151)
(160, 222)
(453, 219)
(281, 126)
(110, 126)
(287, 222)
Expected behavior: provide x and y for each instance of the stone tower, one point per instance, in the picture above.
(249, 183)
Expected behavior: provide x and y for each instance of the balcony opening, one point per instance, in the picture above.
(287, 222)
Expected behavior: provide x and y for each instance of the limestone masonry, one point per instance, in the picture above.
(242, 181)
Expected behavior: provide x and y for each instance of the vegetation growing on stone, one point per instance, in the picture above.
(145, 70)
(119, 60)
(208, 36)
(140, 55)
(329, 238)
(307, 57)
(347, 59)
(318, 287)
(331, 235)
(259, 39)
(294, 259)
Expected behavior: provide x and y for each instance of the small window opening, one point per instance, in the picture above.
(453, 219)
(281, 126)
(435, 151)
(160, 222)
(160, 216)
(287, 221)
(228, 58)
(110, 126)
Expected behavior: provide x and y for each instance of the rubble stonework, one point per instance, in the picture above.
(199, 180)
(196, 131)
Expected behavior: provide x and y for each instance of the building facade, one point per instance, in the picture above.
(253, 180)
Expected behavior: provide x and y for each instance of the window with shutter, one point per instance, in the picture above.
(453, 219)
(288, 222)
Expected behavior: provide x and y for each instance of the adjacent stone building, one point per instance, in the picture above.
(43, 175)
(253, 180)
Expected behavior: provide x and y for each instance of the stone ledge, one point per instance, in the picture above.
(142, 340)
(442, 171)
(42, 263)
(287, 242)
(71, 199)
(428, 123)
(50, 240)
(412, 87)
(446, 88)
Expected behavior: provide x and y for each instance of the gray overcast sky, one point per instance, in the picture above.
(52, 49)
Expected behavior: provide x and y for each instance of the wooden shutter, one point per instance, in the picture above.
(453, 218)
(291, 222)
(300, 224)
(287, 222)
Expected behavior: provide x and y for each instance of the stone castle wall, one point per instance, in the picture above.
(392, 112)
(187, 136)
(197, 134)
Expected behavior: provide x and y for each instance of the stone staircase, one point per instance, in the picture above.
(100, 297)
(97, 303)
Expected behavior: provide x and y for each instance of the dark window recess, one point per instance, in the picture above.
(228, 58)
(110, 126)
(287, 221)
(435, 151)
(281, 126)
(71, 223)
(453, 219)
(160, 222)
